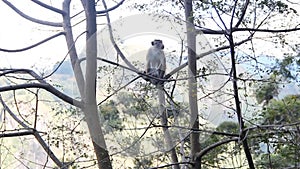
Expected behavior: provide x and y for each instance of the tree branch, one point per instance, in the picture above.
(171, 148)
(110, 9)
(221, 32)
(49, 7)
(35, 133)
(170, 165)
(72, 48)
(54, 24)
(237, 100)
(217, 144)
(202, 55)
(16, 134)
(113, 40)
(267, 30)
(45, 86)
(34, 45)
(243, 14)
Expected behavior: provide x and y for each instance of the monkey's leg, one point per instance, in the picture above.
(161, 76)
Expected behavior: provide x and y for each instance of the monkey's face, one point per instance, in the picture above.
(158, 44)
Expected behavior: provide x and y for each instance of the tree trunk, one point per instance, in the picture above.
(90, 108)
(164, 122)
(243, 136)
(192, 82)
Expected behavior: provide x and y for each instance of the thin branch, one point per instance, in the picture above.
(268, 30)
(65, 57)
(243, 14)
(17, 108)
(42, 22)
(113, 63)
(47, 87)
(143, 75)
(219, 16)
(272, 126)
(237, 100)
(113, 40)
(116, 91)
(204, 54)
(221, 32)
(36, 108)
(34, 45)
(49, 7)
(170, 165)
(211, 147)
(180, 60)
(232, 16)
(17, 134)
(138, 139)
(110, 9)
(170, 147)
(35, 133)
(43, 84)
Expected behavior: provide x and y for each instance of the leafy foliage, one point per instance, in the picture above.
(221, 154)
(266, 91)
(283, 111)
(111, 116)
(280, 149)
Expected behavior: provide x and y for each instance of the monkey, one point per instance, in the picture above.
(156, 61)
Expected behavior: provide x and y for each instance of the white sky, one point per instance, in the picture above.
(17, 32)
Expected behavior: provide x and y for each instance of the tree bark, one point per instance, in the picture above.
(243, 137)
(90, 109)
(164, 122)
(71, 47)
(192, 82)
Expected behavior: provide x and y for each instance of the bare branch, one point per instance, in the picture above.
(170, 165)
(34, 45)
(211, 147)
(110, 9)
(232, 16)
(49, 7)
(42, 22)
(72, 48)
(268, 30)
(116, 91)
(221, 32)
(170, 147)
(45, 86)
(139, 138)
(202, 55)
(219, 16)
(242, 15)
(17, 134)
(238, 109)
(272, 126)
(113, 40)
(65, 57)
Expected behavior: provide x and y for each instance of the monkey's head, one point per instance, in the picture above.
(158, 44)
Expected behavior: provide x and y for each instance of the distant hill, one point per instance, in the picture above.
(64, 69)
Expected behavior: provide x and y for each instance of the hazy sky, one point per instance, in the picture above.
(17, 32)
